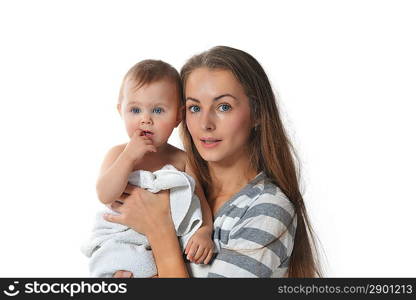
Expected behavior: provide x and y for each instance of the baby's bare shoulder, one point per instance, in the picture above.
(178, 158)
(111, 156)
(117, 149)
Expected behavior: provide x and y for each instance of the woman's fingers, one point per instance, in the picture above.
(129, 189)
(123, 274)
(113, 218)
(118, 274)
(116, 205)
(142, 211)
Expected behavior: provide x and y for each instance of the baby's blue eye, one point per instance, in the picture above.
(224, 107)
(158, 110)
(135, 110)
(194, 108)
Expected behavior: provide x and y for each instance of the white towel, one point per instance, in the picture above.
(114, 247)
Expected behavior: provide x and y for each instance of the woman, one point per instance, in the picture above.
(240, 153)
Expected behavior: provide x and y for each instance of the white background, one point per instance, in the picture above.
(345, 72)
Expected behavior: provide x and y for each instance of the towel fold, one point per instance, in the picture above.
(114, 247)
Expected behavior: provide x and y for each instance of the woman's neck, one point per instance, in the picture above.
(229, 178)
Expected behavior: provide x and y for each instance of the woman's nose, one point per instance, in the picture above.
(207, 121)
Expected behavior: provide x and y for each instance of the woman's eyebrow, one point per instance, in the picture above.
(225, 95)
(215, 99)
(192, 99)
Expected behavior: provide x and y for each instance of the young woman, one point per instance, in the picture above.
(239, 151)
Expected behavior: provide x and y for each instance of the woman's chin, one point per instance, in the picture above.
(210, 157)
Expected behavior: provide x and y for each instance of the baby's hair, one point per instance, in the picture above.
(149, 71)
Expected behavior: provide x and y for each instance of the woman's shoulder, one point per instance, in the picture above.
(267, 195)
(261, 205)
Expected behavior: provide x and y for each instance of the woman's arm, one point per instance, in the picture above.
(167, 252)
(150, 215)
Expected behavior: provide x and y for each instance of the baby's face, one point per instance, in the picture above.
(153, 108)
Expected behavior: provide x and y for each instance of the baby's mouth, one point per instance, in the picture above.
(146, 133)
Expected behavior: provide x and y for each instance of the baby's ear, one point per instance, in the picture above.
(180, 115)
(119, 108)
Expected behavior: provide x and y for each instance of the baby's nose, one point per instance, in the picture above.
(146, 119)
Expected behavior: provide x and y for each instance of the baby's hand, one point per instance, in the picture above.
(200, 247)
(138, 146)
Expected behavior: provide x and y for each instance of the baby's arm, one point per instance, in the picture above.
(118, 164)
(114, 174)
(200, 246)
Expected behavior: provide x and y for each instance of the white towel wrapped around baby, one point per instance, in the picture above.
(114, 247)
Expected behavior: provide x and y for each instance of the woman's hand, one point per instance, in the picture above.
(123, 274)
(127, 274)
(143, 211)
(150, 215)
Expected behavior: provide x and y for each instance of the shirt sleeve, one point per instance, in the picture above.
(260, 243)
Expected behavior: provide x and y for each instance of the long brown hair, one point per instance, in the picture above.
(269, 147)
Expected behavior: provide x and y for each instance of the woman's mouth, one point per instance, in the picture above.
(209, 142)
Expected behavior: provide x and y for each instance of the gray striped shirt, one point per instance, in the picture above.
(254, 233)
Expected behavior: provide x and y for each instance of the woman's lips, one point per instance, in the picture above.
(210, 142)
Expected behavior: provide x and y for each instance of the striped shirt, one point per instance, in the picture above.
(254, 233)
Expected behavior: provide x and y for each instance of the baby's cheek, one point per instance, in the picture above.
(130, 130)
(167, 125)
(164, 131)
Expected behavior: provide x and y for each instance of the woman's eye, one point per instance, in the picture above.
(158, 110)
(135, 110)
(224, 107)
(194, 108)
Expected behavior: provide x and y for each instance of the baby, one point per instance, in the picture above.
(149, 104)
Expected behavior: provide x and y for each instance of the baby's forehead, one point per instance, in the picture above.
(163, 91)
(138, 83)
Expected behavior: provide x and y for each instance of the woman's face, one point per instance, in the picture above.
(217, 115)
